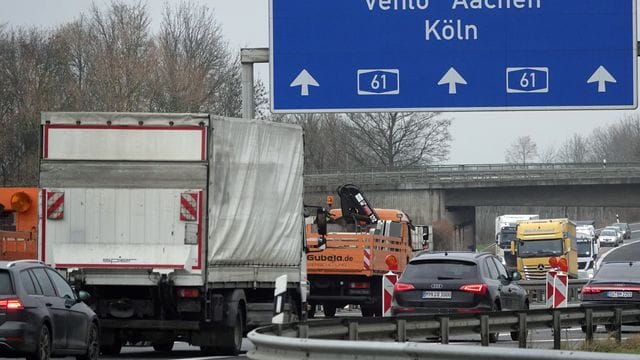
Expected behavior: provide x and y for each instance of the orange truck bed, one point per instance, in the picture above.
(18, 238)
(355, 254)
(17, 245)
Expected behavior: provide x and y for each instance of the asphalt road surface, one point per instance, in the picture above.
(629, 251)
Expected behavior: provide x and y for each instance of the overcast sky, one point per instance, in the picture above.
(477, 137)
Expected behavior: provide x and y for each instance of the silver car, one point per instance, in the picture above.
(610, 237)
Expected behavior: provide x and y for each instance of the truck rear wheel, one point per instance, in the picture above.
(371, 310)
(329, 310)
(163, 347)
(232, 338)
(111, 349)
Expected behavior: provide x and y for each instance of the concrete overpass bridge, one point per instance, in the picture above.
(471, 196)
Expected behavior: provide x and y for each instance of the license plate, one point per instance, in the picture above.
(620, 294)
(436, 294)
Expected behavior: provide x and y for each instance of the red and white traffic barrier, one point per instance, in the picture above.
(557, 285)
(388, 282)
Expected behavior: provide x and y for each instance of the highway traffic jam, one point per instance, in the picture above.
(52, 308)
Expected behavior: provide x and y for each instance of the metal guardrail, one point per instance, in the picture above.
(452, 174)
(339, 339)
(537, 290)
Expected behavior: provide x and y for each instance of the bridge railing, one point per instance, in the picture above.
(475, 173)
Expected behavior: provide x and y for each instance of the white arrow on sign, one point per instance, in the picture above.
(452, 77)
(304, 80)
(602, 77)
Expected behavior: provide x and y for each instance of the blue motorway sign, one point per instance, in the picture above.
(412, 55)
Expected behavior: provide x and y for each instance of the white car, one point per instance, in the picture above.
(610, 237)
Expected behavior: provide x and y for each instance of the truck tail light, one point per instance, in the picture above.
(400, 287)
(188, 293)
(359, 285)
(479, 289)
(11, 305)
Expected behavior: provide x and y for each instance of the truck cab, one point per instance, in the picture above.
(588, 249)
(539, 240)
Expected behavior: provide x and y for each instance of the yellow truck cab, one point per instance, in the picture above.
(538, 240)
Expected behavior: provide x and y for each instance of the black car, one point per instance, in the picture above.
(41, 316)
(457, 282)
(624, 229)
(615, 283)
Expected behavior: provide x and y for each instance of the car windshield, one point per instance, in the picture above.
(538, 248)
(608, 233)
(584, 248)
(6, 287)
(429, 270)
(618, 272)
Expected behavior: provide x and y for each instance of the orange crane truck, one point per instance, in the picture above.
(358, 243)
(18, 221)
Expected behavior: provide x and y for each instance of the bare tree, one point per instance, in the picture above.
(619, 142)
(399, 140)
(121, 57)
(522, 151)
(548, 155)
(575, 150)
(326, 141)
(109, 61)
(28, 84)
(195, 70)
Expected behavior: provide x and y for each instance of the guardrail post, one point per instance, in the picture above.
(588, 323)
(484, 330)
(444, 330)
(401, 329)
(522, 330)
(556, 330)
(353, 331)
(303, 331)
(618, 325)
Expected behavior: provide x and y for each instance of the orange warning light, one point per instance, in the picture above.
(20, 202)
(392, 262)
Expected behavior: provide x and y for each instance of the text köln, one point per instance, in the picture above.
(452, 29)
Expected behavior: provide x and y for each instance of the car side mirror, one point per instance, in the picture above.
(83, 295)
(516, 276)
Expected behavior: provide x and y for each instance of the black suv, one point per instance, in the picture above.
(41, 316)
(462, 282)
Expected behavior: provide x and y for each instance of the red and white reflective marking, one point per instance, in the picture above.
(367, 259)
(388, 282)
(557, 285)
(188, 206)
(55, 205)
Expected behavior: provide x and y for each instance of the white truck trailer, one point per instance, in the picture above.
(176, 224)
(506, 233)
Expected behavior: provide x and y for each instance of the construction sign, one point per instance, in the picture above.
(388, 282)
(557, 285)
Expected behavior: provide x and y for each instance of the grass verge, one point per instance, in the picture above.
(628, 346)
